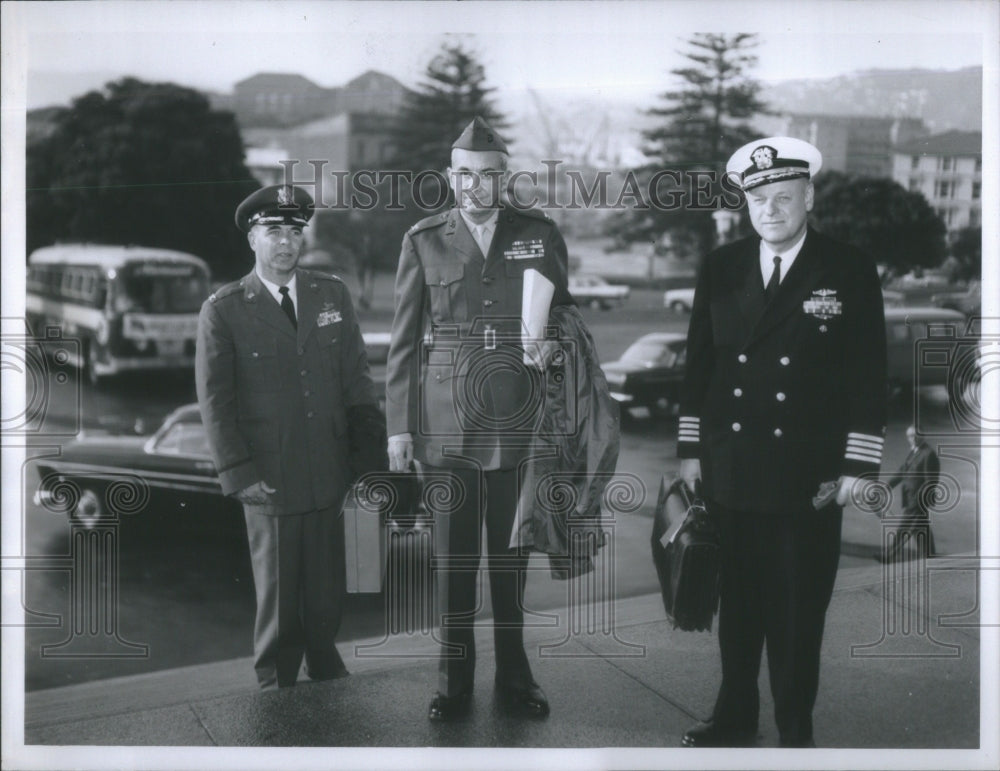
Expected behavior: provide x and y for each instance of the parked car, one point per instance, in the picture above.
(649, 373)
(679, 300)
(173, 465)
(921, 346)
(597, 293)
(968, 301)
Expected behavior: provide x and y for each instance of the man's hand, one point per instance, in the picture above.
(537, 354)
(400, 452)
(846, 490)
(256, 493)
(690, 472)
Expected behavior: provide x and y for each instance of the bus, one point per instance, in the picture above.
(130, 307)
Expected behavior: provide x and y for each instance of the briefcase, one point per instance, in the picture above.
(685, 545)
(364, 546)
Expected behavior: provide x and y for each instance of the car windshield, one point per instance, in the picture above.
(650, 353)
(184, 439)
(151, 288)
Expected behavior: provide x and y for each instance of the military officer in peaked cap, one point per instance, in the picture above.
(280, 368)
(459, 402)
(785, 390)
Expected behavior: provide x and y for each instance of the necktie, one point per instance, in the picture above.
(287, 306)
(772, 285)
(480, 233)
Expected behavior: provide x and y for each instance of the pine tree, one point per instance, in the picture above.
(452, 93)
(705, 121)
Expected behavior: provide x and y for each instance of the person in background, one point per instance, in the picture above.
(918, 474)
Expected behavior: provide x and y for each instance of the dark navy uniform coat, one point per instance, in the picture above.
(779, 399)
(455, 380)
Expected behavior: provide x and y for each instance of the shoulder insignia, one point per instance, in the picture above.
(321, 274)
(226, 290)
(429, 222)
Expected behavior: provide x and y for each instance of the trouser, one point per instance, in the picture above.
(490, 497)
(776, 580)
(298, 575)
(913, 527)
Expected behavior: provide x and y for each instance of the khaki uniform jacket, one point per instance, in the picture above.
(274, 400)
(779, 398)
(455, 378)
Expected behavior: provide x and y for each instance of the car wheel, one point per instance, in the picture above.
(89, 510)
(595, 304)
(678, 307)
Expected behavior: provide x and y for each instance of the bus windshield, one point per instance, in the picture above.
(161, 288)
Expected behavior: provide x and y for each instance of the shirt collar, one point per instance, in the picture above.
(273, 288)
(489, 224)
(787, 257)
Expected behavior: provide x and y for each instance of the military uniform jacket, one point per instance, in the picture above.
(455, 378)
(780, 398)
(273, 398)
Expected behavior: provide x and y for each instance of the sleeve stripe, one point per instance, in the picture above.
(858, 445)
(691, 421)
(866, 458)
(868, 453)
(866, 437)
(692, 439)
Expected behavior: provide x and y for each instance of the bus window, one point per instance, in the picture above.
(162, 294)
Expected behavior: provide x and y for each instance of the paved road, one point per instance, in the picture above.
(186, 591)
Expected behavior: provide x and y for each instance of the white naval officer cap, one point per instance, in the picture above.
(773, 159)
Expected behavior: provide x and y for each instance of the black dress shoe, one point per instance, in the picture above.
(711, 735)
(529, 699)
(445, 708)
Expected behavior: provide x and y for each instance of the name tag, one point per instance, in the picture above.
(532, 249)
(823, 304)
(326, 318)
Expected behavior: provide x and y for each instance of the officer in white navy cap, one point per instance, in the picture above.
(782, 410)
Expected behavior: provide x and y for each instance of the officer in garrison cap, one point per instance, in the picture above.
(784, 391)
(463, 403)
(281, 374)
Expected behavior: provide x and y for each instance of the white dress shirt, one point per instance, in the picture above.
(787, 258)
(273, 289)
(482, 232)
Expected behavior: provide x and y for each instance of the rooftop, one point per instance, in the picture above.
(948, 143)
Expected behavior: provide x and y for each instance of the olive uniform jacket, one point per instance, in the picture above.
(275, 399)
(779, 398)
(455, 378)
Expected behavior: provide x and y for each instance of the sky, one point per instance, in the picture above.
(616, 49)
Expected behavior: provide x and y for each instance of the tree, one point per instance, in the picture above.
(142, 163)
(896, 227)
(705, 121)
(452, 93)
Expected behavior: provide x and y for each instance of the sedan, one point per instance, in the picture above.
(597, 293)
(679, 300)
(649, 373)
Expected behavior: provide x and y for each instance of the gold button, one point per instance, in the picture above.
(737, 392)
(785, 361)
(737, 426)
(778, 432)
(742, 358)
(822, 327)
(779, 396)
(255, 354)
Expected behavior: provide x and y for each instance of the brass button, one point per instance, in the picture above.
(779, 396)
(304, 372)
(742, 358)
(737, 392)
(487, 279)
(778, 433)
(822, 327)
(737, 426)
(785, 361)
(256, 355)
(487, 303)
(307, 393)
(310, 414)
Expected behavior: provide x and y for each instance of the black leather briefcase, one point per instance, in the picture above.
(685, 545)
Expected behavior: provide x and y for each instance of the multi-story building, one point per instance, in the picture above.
(861, 145)
(948, 169)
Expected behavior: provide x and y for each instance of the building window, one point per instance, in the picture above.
(915, 162)
(979, 164)
(947, 163)
(944, 189)
(914, 184)
(976, 190)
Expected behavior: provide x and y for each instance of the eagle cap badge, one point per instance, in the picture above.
(763, 157)
(286, 196)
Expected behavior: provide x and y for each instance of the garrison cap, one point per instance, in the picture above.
(480, 137)
(275, 205)
(773, 159)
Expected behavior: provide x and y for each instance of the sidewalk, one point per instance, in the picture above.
(636, 684)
